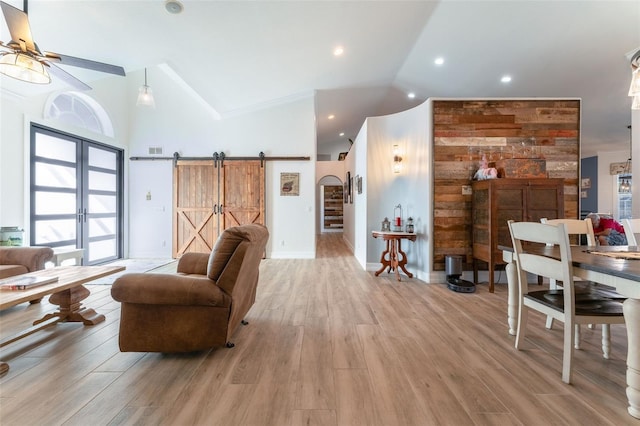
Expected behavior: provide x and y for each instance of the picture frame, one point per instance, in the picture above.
(585, 183)
(359, 184)
(289, 184)
(342, 156)
(352, 185)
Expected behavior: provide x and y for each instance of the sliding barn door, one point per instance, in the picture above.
(243, 194)
(211, 196)
(195, 211)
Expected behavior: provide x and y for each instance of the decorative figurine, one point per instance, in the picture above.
(386, 225)
(485, 172)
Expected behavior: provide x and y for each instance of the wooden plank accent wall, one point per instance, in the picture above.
(522, 138)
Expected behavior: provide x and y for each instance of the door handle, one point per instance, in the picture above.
(79, 215)
(85, 215)
(221, 209)
(215, 209)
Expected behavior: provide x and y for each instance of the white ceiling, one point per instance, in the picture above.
(241, 55)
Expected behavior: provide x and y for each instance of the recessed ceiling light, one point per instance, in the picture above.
(341, 133)
(338, 51)
(505, 78)
(173, 6)
(411, 95)
(331, 117)
(439, 61)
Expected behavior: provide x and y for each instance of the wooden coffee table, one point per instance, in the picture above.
(67, 293)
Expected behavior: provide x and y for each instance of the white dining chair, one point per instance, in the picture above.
(631, 228)
(562, 306)
(577, 227)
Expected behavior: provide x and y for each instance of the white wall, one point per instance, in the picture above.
(411, 188)
(178, 123)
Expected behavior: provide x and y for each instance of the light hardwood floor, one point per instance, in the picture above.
(327, 344)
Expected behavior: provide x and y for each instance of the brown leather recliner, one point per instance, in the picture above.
(20, 260)
(201, 305)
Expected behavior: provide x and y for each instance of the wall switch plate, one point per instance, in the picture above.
(466, 190)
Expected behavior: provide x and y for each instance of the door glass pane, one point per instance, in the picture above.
(102, 203)
(102, 250)
(50, 231)
(55, 148)
(55, 176)
(102, 181)
(101, 158)
(101, 227)
(55, 203)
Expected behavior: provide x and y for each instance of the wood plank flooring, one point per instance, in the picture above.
(327, 344)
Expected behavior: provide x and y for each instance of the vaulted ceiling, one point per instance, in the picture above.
(243, 55)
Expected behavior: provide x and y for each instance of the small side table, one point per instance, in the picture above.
(61, 254)
(393, 257)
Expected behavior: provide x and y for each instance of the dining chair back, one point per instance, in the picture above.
(631, 228)
(577, 227)
(560, 304)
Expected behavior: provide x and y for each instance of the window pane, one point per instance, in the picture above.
(102, 250)
(624, 196)
(55, 176)
(55, 203)
(102, 181)
(102, 158)
(52, 231)
(101, 227)
(54, 148)
(102, 203)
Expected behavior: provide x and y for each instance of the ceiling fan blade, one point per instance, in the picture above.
(84, 63)
(66, 77)
(18, 24)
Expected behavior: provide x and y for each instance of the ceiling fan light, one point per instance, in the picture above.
(25, 68)
(145, 97)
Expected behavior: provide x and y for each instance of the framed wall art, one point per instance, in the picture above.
(290, 184)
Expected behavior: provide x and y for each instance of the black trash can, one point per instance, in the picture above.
(453, 270)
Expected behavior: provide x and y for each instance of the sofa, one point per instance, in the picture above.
(198, 307)
(20, 260)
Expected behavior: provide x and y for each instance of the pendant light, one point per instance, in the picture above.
(145, 94)
(625, 181)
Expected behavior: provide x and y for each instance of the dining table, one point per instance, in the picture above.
(615, 266)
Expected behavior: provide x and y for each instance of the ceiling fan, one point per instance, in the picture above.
(25, 61)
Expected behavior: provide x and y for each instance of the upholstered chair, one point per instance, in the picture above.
(201, 305)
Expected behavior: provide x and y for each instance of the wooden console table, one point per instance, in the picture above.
(393, 257)
(67, 293)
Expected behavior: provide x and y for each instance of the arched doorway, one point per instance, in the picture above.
(331, 204)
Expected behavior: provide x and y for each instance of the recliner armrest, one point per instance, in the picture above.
(168, 289)
(33, 258)
(193, 263)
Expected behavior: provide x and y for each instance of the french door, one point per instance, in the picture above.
(76, 195)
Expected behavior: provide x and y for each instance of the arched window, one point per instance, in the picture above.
(79, 110)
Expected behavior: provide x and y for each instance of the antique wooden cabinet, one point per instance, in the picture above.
(495, 201)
